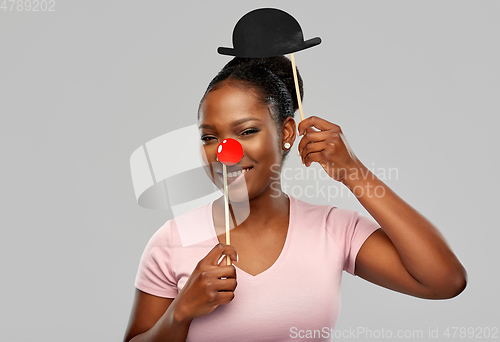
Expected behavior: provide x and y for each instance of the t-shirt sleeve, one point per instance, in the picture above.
(350, 230)
(155, 274)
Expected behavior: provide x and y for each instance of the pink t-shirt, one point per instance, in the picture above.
(300, 292)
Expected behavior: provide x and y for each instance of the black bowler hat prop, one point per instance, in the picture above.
(267, 32)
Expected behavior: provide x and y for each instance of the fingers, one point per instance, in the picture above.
(209, 285)
(314, 157)
(316, 143)
(227, 271)
(225, 290)
(226, 284)
(225, 297)
(311, 137)
(220, 291)
(317, 122)
(313, 153)
(220, 278)
(212, 258)
(328, 132)
(223, 260)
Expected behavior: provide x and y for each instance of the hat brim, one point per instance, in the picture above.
(274, 51)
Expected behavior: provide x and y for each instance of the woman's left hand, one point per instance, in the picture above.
(328, 147)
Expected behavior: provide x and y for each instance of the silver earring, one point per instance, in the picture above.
(287, 145)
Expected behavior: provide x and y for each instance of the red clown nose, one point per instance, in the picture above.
(229, 152)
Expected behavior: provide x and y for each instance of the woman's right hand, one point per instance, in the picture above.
(205, 290)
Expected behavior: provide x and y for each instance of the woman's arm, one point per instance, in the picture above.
(154, 319)
(408, 254)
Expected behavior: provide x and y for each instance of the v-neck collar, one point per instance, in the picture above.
(281, 257)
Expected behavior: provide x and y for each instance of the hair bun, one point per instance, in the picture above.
(281, 66)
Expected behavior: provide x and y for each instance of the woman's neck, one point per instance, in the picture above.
(265, 208)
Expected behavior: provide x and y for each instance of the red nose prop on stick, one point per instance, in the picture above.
(229, 152)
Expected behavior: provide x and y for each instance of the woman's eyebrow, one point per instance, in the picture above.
(234, 123)
(239, 122)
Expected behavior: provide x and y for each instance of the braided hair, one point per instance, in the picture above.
(272, 80)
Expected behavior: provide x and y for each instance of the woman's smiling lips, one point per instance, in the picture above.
(233, 176)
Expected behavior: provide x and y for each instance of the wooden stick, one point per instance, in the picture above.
(297, 90)
(226, 211)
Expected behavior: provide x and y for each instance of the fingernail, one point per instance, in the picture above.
(298, 132)
(237, 258)
(298, 153)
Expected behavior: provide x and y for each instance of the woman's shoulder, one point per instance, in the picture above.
(191, 215)
(305, 208)
(326, 213)
(306, 214)
(193, 226)
(179, 228)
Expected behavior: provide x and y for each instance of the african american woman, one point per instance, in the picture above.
(288, 255)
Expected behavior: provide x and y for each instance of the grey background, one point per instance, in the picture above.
(413, 84)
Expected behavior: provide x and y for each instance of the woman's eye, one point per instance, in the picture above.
(205, 138)
(249, 131)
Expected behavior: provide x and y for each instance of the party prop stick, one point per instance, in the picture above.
(299, 101)
(268, 32)
(229, 152)
(226, 211)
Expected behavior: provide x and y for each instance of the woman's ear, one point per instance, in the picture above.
(289, 131)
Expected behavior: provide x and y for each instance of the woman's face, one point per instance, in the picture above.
(235, 112)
